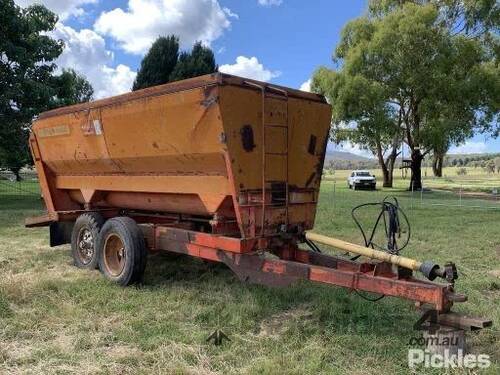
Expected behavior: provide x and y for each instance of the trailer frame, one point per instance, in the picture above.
(274, 260)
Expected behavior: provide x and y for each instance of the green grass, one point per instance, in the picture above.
(475, 179)
(21, 188)
(55, 318)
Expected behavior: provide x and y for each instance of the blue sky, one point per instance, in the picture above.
(290, 38)
(281, 41)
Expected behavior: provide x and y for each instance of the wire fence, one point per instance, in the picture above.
(334, 194)
(458, 198)
(25, 184)
(338, 195)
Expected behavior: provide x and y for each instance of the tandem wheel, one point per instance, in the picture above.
(122, 251)
(84, 240)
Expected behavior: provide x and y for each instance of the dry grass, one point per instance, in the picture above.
(57, 319)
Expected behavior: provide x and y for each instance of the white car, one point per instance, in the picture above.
(361, 179)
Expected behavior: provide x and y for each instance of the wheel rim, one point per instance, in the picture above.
(114, 255)
(85, 245)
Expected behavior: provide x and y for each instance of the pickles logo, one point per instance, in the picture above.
(447, 360)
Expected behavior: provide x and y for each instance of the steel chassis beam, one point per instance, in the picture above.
(288, 264)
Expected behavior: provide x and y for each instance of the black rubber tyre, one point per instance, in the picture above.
(84, 240)
(122, 251)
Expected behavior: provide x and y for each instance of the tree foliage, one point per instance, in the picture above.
(158, 64)
(365, 119)
(69, 88)
(26, 60)
(163, 63)
(470, 17)
(405, 68)
(28, 85)
(199, 61)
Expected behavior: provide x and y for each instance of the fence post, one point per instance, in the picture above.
(422, 194)
(334, 192)
(412, 191)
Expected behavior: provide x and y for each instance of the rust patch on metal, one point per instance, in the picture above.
(210, 95)
(209, 101)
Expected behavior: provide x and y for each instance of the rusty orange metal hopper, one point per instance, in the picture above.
(243, 154)
(217, 167)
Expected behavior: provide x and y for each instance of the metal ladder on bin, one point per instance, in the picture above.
(282, 95)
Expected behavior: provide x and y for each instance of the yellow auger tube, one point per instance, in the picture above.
(411, 264)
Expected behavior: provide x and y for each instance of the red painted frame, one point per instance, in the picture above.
(291, 264)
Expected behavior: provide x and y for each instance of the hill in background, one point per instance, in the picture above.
(344, 155)
(347, 160)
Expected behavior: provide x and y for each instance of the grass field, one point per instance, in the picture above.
(55, 318)
(476, 179)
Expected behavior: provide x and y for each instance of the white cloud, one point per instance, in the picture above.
(144, 20)
(64, 8)
(268, 3)
(230, 13)
(85, 51)
(249, 68)
(115, 80)
(470, 147)
(306, 86)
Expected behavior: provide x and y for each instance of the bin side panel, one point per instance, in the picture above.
(165, 145)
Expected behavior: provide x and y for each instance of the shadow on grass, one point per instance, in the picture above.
(334, 309)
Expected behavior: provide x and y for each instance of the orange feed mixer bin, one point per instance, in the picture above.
(201, 147)
(218, 167)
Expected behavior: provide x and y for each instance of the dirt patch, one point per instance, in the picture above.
(494, 273)
(492, 291)
(276, 325)
(64, 342)
(14, 351)
(175, 357)
(478, 194)
(120, 351)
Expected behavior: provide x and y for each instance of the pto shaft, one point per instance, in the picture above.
(429, 269)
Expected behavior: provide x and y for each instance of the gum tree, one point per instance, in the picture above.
(440, 85)
(366, 120)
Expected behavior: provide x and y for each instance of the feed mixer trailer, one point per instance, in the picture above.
(217, 167)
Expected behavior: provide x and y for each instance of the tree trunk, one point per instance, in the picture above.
(391, 162)
(16, 172)
(391, 159)
(437, 164)
(387, 182)
(387, 177)
(416, 170)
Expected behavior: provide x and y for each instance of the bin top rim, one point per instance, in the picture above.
(187, 84)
